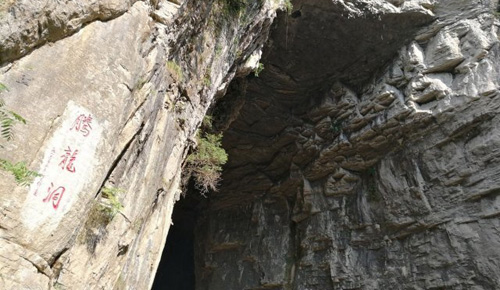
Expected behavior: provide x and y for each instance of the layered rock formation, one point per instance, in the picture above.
(362, 157)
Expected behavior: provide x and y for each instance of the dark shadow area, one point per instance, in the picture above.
(317, 49)
(176, 269)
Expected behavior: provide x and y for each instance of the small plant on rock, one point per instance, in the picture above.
(21, 173)
(113, 206)
(175, 70)
(8, 118)
(288, 6)
(206, 79)
(258, 69)
(205, 162)
(100, 215)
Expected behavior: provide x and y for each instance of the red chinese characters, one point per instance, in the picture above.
(67, 160)
(83, 124)
(54, 195)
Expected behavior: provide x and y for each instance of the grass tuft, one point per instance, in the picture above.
(175, 70)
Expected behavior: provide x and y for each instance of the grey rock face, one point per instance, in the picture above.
(375, 154)
(24, 25)
(113, 102)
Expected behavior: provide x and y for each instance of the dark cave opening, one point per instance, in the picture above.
(176, 268)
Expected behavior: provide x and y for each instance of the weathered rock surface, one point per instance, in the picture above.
(113, 92)
(364, 155)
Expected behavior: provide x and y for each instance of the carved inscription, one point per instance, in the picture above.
(67, 166)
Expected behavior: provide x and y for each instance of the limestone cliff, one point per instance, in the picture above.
(363, 156)
(113, 92)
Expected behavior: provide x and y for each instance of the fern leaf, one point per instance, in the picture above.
(22, 174)
(17, 117)
(6, 122)
(6, 126)
(7, 133)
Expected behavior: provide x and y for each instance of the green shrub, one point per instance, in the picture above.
(288, 6)
(206, 124)
(59, 286)
(7, 118)
(258, 69)
(205, 163)
(100, 215)
(21, 173)
(113, 205)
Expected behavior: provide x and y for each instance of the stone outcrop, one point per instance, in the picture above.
(363, 156)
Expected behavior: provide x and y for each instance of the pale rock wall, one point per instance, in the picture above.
(91, 79)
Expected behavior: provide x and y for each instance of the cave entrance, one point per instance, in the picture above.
(264, 118)
(176, 268)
